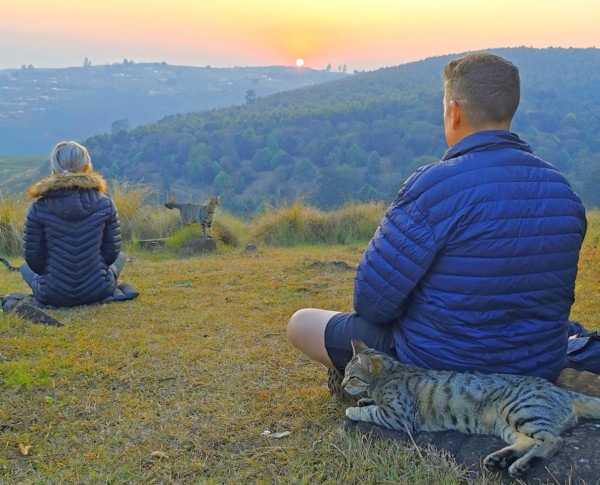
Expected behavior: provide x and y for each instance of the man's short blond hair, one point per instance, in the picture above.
(486, 86)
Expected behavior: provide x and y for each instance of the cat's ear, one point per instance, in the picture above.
(371, 363)
(358, 346)
(365, 362)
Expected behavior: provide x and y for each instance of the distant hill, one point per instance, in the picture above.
(39, 107)
(355, 138)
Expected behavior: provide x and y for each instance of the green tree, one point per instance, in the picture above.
(373, 168)
(243, 177)
(422, 138)
(304, 171)
(246, 143)
(271, 143)
(374, 163)
(199, 153)
(199, 166)
(355, 156)
(262, 160)
(335, 185)
(115, 171)
(367, 193)
(334, 157)
(282, 158)
(194, 171)
(221, 183)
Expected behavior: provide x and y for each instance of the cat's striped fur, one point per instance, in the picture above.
(9, 266)
(529, 413)
(195, 213)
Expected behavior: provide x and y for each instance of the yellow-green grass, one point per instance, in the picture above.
(298, 224)
(12, 218)
(178, 385)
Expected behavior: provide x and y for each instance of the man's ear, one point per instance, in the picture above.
(455, 114)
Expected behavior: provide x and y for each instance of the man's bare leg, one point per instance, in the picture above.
(306, 331)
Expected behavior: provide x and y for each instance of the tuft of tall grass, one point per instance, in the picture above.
(357, 222)
(139, 218)
(226, 228)
(289, 225)
(12, 218)
(300, 224)
(229, 229)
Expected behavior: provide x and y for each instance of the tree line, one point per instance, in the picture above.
(355, 138)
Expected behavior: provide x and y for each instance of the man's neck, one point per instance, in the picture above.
(466, 129)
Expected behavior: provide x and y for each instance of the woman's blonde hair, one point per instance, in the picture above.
(70, 157)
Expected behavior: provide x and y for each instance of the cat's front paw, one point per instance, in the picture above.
(519, 468)
(363, 413)
(498, 460)
(365, 401)
(353, 413)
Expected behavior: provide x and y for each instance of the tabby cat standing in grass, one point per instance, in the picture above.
(527, 412)
(195, 213)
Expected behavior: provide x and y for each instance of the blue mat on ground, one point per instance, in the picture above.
(123, 292)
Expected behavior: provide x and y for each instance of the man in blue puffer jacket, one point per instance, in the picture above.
(473, 266)
(72, 235)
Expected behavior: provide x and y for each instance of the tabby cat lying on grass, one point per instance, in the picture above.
(529, 413)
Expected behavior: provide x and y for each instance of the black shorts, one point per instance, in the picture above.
(344, 326)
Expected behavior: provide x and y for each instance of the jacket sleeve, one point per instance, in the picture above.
(111, 239)
(34, 241)
(394, 262)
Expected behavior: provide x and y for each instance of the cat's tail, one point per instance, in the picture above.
(585, 406)
(9, 266)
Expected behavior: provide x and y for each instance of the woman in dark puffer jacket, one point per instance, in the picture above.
(72, 236)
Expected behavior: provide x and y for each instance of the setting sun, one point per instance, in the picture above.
(365, 35)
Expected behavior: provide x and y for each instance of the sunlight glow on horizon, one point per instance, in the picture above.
(356, 33)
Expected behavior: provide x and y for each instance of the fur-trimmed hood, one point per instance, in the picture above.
(84, 181)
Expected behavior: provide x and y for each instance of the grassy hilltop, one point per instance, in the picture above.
(178, 385)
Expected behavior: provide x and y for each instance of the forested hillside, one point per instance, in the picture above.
(356, 138)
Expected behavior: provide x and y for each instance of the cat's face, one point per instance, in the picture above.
(356, 377)
(364, 366)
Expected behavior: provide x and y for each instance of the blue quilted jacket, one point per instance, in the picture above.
(71, 237)
(474, 263)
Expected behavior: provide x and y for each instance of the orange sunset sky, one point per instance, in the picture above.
(362, 34)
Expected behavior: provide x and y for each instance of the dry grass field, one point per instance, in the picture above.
(180, 385)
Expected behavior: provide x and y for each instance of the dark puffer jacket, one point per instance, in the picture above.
(72, 235)
(475, 261)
